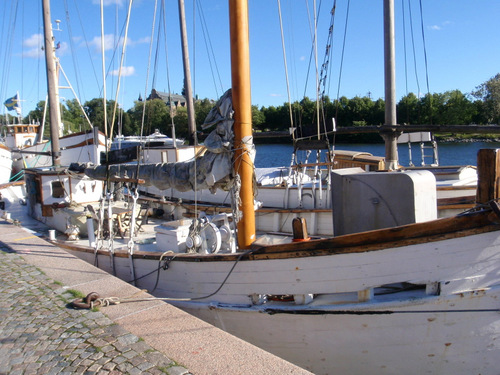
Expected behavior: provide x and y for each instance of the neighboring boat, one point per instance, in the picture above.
(396, 291)
(156, 139)
(82, 147)
(30, 150)
(5, 164)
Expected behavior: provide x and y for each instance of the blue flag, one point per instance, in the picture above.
(12, 104)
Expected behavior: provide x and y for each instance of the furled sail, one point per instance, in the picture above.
(212, 170)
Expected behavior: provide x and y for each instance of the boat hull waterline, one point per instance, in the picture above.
(339, 318)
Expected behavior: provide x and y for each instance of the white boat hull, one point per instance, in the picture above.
(418, 342)
(5, 164)
(79, 147)
(449, 326)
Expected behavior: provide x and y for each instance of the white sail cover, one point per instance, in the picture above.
(212, 170)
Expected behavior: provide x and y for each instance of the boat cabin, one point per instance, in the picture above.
(21, 135)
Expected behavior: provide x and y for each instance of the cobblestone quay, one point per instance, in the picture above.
(40, 334)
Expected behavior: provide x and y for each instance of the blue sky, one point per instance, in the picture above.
(462, 46)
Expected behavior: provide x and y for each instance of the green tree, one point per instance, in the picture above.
(456, 109)
(95, 113)
(73, 117)
(272, 118)
(181, 123)
(156, 116)
(37, 113)
(408, 110)
(258, 118)
(489, 93)
(201, 110)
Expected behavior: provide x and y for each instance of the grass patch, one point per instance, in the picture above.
(165, 369)
(76, 293)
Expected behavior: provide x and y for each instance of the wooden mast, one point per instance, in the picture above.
(55, 112)
(390, 136)
(240, 76)
(193, 138)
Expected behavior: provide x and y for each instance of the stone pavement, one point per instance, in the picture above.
(39, 334)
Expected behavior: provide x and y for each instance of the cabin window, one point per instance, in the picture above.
(57, 189)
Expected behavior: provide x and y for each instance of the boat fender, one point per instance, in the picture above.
(299, 228)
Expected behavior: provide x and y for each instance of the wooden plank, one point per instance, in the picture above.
(455, 188)
(471, 199)
(488, 173)
(447, 227)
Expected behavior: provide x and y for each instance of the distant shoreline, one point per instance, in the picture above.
(363, 139)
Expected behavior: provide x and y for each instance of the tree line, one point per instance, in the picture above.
(481, 107)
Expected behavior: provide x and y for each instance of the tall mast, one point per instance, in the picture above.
(390, 136)
(50, 60)
(242, 105)
(193, 140)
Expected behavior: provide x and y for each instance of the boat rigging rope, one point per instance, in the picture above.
(110, 231)
(214, 68)
(71, 39)
(147, 75)
(171, 107)
(98, 301)
(286, 72)
(120, 68)
(130, 244)
(342, 59)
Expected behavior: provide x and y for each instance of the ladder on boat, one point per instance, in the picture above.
(426, 143)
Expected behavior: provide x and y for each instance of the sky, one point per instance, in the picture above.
(461, 50)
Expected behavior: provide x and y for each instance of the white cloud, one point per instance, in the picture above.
(126, 71)
(110, 42)
(144, 40)
(440, 27)
(36, 40)
(109, 2)
(276, 95)
(33, 53)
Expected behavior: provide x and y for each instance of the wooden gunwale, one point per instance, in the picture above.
(9, 184)
(411, 234)
(87, 142)
(75, 134)
(457, 188)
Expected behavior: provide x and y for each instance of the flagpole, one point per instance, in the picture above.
(20, 113)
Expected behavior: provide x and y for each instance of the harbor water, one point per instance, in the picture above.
(449, 153)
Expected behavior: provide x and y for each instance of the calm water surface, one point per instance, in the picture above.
(464, 153)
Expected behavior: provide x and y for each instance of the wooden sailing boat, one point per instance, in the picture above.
(414, 298)
(32, 152)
